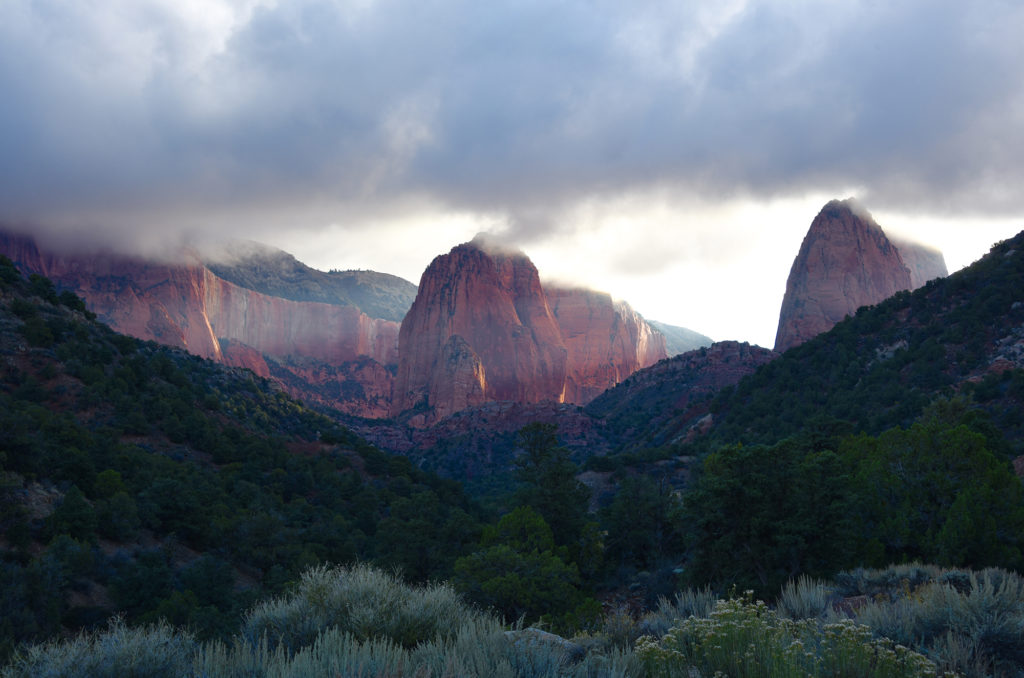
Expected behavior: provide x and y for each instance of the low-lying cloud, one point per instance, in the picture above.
(126, 114)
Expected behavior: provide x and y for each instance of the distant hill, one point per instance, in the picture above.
(669, 402)
(679, 339)
(276, 273)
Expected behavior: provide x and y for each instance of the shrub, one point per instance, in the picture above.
(150, 652)
(744, 638)
(689, 602)
(364, 602)
(974, 629)
(804, 598)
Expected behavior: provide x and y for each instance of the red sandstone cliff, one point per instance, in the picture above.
(186, 305)
(606, 341)
(845, 262)
(480, 329)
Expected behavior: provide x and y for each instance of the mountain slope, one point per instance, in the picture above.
(278, 274)
(845, 261)
(877, 369)
(669, 402)
(140, 478)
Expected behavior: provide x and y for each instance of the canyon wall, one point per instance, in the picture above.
(183, 304)
(606, 341)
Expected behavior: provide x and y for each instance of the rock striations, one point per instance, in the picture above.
(184, 304)
(845, 262)
(606, 341)
(482, 328)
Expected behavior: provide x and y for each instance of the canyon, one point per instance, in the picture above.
(481, 327)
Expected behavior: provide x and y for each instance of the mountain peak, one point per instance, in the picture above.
(845, 262)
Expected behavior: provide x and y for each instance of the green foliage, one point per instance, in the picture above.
(549, 483)
(935, 492)
(642, 523)
(8, 271)
(759, 516)
(744, 638)
(149, 444)
(519, 571)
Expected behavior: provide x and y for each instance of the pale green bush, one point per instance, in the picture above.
(742, 638)
(159, 651)
(689, 602)
(355, 622)
(805, 598)
(364, 602)
(975, 627)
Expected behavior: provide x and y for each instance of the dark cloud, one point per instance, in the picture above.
(315, 108)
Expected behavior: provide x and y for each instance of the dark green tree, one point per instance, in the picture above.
(936, 493)
(549, 484)
(519, 571)
(642, 523)
(758, 516)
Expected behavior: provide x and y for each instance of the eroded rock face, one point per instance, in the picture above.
(845, 262)
(185, 305)
(606, 341)
(480, 329)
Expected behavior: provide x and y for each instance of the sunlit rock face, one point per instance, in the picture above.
(183, 304)
(606, 341)
(845, 262)
(480, 329)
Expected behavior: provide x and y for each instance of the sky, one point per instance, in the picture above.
(672, 154)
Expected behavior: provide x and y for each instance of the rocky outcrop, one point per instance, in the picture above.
(606, 341)
(924, 263)
(184, 304)
(480, 320)
(845, 262)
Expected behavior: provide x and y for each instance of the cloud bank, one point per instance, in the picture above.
(121, 114)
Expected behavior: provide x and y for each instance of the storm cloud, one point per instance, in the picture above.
(118, 113)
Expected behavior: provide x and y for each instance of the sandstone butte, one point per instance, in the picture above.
(482, 328)
(184, 304)
(846, 261)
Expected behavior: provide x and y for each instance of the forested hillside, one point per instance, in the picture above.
(141, 479)
(962, 334)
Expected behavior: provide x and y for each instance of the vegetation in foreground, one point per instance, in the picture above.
(905, 621)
